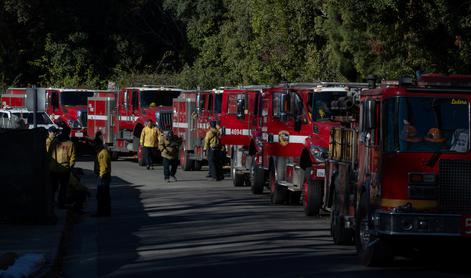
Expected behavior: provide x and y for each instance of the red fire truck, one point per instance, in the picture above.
(295, 123)
(121, 116)
(239, 119)
(65, 106)
(193, 110)
(403, 174)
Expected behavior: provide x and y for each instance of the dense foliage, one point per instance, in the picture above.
(211, 43)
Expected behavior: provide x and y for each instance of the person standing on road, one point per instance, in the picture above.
(63, 157)
(102, 169)
(169, 144)
(149, 141)
(213, 148)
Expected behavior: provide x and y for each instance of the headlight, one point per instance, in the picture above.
(73, 124)
(319, 153)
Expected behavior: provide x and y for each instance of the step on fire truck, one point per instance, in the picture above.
(193, 110)
(295, 123)
(121, 116)
(402, 175)
(67, 107)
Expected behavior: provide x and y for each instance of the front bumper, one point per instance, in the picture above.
(421, 224)
(80, 135)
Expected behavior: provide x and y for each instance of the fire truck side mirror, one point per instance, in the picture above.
(241, 108)
(125, 100)
(371, 114)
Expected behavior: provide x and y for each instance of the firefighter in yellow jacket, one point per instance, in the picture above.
(149, 141)
(169, 146)
(212, 146)
(102, 169)
(63, 157)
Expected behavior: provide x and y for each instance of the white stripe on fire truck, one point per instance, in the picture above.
(235, 131)
(292, 139)
(127, 118)
(180, 125)
(203, 125)
(97, 117)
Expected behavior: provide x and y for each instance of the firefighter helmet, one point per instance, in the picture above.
(435, 135)
(152, 105)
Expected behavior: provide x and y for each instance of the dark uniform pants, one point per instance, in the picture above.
(147, 153)
(103, 195)
(215, 163)
(170, 167)
(60, 179)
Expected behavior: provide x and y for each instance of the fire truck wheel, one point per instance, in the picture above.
(257, 180)
(114, 155)
(197, 164)
(278, 195)
(312, 197)
(238, 179)
(373, 251)
(185, 160)
(340, 234)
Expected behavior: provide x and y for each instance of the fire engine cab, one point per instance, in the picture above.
(403, 173)
(295, 124)
(193, 110)
(121, 116)
(239, 120)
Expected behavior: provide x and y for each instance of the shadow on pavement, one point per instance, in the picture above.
(176, 231)
(101, 246)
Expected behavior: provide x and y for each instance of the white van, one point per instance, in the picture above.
(10, 118)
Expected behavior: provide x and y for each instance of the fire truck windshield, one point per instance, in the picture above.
(75, 98)
(157, 98)
(426, 124)
(320, 104)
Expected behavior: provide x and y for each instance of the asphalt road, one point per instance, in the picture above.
(200, 228)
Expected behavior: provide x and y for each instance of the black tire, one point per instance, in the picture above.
(312, 198)
(257, 182)
(340, 234)
(372, 250)
(278, 194)
(248, 180)
(197, 165)
(114, 155)
(238, 179)
(185, 160)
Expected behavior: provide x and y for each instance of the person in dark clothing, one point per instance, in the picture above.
(169, 145)
(102, 169)
(213, 147)
(62, 159)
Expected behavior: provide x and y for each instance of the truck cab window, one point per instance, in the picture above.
(54, 101)
(218, 103)
(135, 100)
(210, 102)
(296, 106)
